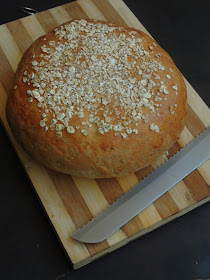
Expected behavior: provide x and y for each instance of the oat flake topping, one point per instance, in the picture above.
(96, 74)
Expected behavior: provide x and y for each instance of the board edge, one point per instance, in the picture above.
(141, 233)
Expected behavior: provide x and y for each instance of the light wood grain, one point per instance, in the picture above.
(56, 211)
(60, 15)
(92, 11)
(33, 27)
(128, 181)
(181, 195)
(9, 47)
(129, 18)
(149, 216)
(71, 202)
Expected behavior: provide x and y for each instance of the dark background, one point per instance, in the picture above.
(29, 247)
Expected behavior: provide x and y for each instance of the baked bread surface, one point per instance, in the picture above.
(95, 99)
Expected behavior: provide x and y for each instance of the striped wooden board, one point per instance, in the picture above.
(69, 201)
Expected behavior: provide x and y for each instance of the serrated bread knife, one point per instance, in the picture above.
(147, 191)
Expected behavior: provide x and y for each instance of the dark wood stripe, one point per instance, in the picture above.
(47, 21)
(97, 247)
(6, 72)
(112, 191)
(109, 12)
(71, 197)
(166, 206)
(133, 226)
(75, 10)
(141, 174)
(174, 149)
(197, 185)
(75, 205)
(193, 123)
(20, 34)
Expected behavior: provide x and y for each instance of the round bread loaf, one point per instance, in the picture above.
(95, 99)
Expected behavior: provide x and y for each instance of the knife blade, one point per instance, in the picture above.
(147, 191)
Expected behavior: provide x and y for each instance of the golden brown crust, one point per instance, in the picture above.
(96, 155)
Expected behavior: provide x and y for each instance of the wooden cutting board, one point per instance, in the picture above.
(71, 202)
